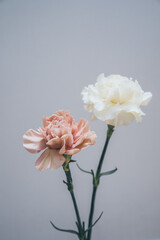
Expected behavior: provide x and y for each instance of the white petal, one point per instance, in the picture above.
(100, 77)
(99, 106)
(124, 118)
(146, 98)
(115, 99)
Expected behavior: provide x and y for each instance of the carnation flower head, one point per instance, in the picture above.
(60, 136)
(115, 99)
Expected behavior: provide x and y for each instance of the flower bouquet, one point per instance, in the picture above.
(115, 100)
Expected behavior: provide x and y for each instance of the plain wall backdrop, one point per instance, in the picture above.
(50, 50)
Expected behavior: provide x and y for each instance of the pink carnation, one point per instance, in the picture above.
(60, 135)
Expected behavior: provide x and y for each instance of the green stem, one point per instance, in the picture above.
(70, 189)
(96, 180)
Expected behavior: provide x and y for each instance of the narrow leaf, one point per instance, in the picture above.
(92, 172)
(78, 226)
(83, 170)
(108, 172)
(83, 226)
(65, 182)
(94, 223)
(72, 160)
(64, 230)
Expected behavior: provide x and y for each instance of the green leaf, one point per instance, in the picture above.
(65, 182)
(64, 230)
(94, 222)
(92, 172)
(108, 172)
(83, 225)
(83, 170)
(78, 226)
(71, 161)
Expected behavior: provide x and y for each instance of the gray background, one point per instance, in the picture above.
(50, 50)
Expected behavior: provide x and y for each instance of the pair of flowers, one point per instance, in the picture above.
(116, 100)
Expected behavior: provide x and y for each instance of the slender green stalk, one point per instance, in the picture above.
(69, 183)
(96, 180)
(91, 212)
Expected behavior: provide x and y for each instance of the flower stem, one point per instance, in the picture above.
(70, 189)
(96, 180)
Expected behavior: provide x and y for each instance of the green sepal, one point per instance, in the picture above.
(108, 172)
(96, 180)
(110, 130)
(64, 230)
(67, 161)
(67, 156)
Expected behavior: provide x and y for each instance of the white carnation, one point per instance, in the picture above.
(115, 99)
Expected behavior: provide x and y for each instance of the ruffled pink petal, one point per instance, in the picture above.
(45, 121)
(90, 139)
(57, 131)
(72, 151)
(55, 143)
(33, 141)
(50, 158)
(42, 131)
(62, 150)
(66, 115)
(79, 141)
(83, 127)
(69, 140)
